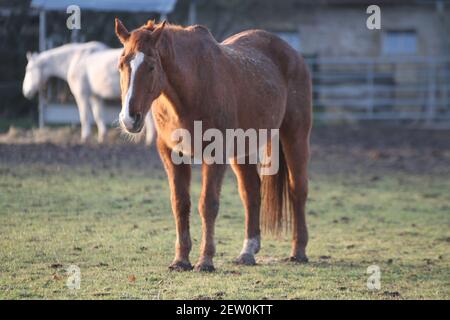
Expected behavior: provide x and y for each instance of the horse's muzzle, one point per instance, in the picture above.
(137, 127)
(133, 124)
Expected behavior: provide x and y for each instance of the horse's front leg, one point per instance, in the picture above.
(99, 117)
(250, 192)
(179, 179)
(82, 99)
(212, 176)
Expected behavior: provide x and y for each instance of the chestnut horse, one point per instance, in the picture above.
(251, 80)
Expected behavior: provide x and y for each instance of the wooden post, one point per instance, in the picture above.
(192, 18)
(74, 36)
(42, 47)
(445, 84)
(370, 87)
(431, 107)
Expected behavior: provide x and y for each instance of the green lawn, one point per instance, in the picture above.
(117, 227)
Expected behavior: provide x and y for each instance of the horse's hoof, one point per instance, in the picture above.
(246, 259)
(203, 267)
(299, 259)
(180, 266)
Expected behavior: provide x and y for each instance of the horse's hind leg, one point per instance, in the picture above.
(295, 134)
(249, 190)
(296, 154)
(99, 117)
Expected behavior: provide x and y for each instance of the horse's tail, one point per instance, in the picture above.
(276, 203)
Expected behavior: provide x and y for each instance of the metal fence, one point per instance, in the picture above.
(382, 88)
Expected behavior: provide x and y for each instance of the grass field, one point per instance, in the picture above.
(112, 218)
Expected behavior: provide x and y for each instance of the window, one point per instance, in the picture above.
(400, 42)
(293, 38)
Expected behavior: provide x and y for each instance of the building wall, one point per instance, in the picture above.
(334, 30)
(343, 32)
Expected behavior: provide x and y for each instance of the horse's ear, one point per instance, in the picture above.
(29, 55)
(121, 32)
(156, 35)
(150, 25)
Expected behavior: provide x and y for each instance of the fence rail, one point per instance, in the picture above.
(381, 88)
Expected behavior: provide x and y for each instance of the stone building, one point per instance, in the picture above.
(333, 28)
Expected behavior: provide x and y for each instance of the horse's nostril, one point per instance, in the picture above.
(137, 117)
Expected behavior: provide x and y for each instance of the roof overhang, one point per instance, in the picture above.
(160, 6)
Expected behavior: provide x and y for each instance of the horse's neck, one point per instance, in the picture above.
(56, 62)
(178, 65)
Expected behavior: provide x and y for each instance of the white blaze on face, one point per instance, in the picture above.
(135, 63)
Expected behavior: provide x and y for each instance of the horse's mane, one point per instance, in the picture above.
(151, 25)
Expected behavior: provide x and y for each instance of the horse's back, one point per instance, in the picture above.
(292, 67)
(93, 69)
(86, 48)
(286, 58)
(276, 64)
(93, 46)
(102, 73)
(81, 51)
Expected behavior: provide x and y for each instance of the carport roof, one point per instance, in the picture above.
(160, 6)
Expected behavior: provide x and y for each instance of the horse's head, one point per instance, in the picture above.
(33, 76)
(141, 73)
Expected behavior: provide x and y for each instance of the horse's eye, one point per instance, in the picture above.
(151, 67)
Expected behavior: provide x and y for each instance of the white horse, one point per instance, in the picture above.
(91, 71)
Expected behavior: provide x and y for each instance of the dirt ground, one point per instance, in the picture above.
(334, 148)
